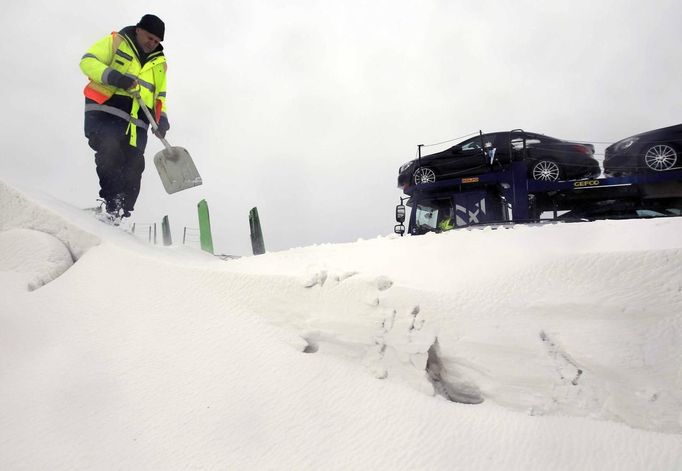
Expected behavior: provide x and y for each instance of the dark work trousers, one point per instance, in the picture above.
(119, 165)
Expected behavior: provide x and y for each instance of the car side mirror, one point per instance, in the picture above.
(399, 229)
(400, 213)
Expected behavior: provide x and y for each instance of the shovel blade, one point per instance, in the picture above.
(176, 169)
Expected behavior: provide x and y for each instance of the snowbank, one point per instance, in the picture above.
(34, 258)
(565, 339)
(19, 211)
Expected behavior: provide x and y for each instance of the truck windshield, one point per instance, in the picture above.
(433, 214)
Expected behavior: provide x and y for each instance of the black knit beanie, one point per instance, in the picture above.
(153, 24)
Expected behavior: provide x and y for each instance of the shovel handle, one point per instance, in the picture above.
(151, 119)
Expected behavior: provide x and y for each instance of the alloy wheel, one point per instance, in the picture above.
(424, 175)
(546, 170)
(660, 157)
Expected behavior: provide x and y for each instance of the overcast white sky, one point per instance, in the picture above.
(306, 108)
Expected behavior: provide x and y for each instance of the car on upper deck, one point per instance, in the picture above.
(548, 158)
(652, 151)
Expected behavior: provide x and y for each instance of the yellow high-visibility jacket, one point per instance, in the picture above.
(118, 52)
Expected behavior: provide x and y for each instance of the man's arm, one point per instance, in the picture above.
(160, 105)
(95, 64)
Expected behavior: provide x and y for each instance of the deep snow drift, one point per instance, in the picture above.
(534, 347)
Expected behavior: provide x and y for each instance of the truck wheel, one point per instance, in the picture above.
(423, 175)
(660, 157)
(545, 170)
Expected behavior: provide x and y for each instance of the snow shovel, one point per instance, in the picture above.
(174, 164)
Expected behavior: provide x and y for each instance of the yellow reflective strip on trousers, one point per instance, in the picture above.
(132, 131)
(132, 128)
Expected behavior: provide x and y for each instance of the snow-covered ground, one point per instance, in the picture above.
(533, 348)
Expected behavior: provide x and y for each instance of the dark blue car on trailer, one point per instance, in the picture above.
(548, 158)
(651, 151)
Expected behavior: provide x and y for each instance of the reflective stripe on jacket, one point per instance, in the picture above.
(118, 51)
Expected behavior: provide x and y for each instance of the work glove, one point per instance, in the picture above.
(163, 127)
(118, 80)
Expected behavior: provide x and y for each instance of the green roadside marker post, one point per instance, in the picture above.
(205, 227)
(257, 243)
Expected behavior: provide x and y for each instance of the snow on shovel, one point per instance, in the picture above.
(174, 164)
